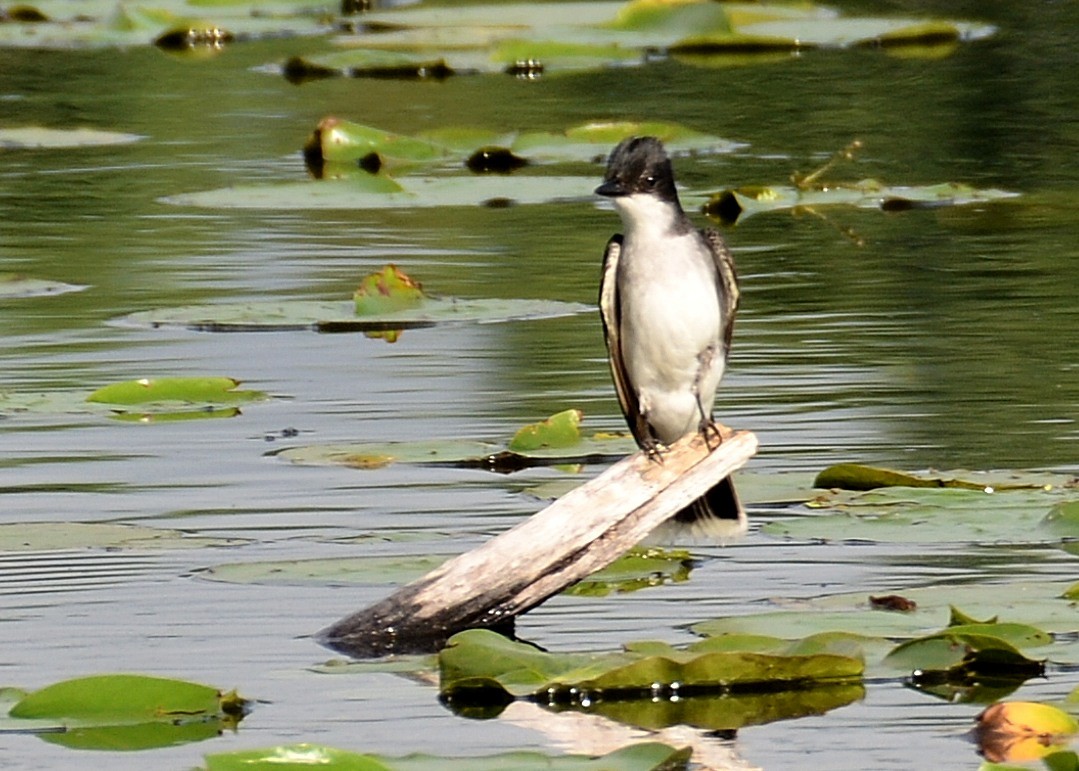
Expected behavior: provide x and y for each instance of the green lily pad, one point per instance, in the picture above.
(387, 291)
(529, 40)
(170, 24)
(340, 316)
(142, 401)
(938, 515)
(562, 429)
(49, 536)
(1037, 603)
(972, 653)
(14, 285)
(479, 661)
(39, 138)
(360, 193)
(125, 712)
(639, 568)
(650, 756)
(458, 452)
(731, 206)
(554, 441)
(326, 572)
(854, 476)
(185, 390)
(337, 141)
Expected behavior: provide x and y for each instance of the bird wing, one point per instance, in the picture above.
(610, 313)
(726, 283)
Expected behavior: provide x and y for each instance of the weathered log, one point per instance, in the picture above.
(581, 532)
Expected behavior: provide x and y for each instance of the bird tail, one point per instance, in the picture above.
(716, 517)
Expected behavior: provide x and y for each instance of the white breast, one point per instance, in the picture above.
(671, 317)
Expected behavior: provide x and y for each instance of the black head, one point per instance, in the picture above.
(639, 165)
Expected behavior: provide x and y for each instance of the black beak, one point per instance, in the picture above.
(611, 188)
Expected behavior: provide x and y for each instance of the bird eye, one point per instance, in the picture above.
(649, 181)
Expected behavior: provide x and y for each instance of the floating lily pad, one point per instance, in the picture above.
(924, 515)
(340, 316)
(1037, 603)
(640, 568)
(184, 390)
(125, 711)
(529, 40)
(649, 756)
(337, 141)
(143, 401)
(326, 572)
(562, 429)
(458, 452)
(38, 137)
(854, 476)
(387, 291)
(45, 536)
(731, 206)
(479, 661)
(170, 24)
(13, 285)
(373, 191)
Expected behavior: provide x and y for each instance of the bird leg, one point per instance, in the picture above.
(654, 448)
(707, 424)
(709, 429)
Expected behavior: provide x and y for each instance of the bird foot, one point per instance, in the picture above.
(710, 431)
(655, 450)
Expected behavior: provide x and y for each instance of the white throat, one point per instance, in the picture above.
(646, 217)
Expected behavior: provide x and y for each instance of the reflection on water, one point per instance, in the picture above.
(947, 340)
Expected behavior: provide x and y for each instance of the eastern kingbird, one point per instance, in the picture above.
(668, 298)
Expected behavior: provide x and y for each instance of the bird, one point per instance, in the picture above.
(668, 298)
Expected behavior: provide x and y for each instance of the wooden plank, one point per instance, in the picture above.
(583, 531)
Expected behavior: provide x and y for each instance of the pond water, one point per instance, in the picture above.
(931, 338)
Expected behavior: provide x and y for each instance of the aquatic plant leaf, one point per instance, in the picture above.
(530, 40)
(339, 144)
(640, 568)
(415, 192)
(187, 390)
(649, 756)
(457, 452)
(341, 141)
(855, 476)
(99, 23)
(125, 699)
(340, 316)
(1063, 519)
(949, 649)
(15, 285)
(47, 536)
(996, 512)
(563, 429)
(842, 32)
(39, 137)
(336, 571)
(1037, 603)
(481, 660)
(387, 291)
(1023, 731)
(732, 205)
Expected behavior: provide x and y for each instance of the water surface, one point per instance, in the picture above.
(947, 339)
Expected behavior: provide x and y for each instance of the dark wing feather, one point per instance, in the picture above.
(610, 313)
(727, 283)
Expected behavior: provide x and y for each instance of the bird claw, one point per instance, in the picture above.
(709, 431)
(655, 450)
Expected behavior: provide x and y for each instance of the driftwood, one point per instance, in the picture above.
(583, 531)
